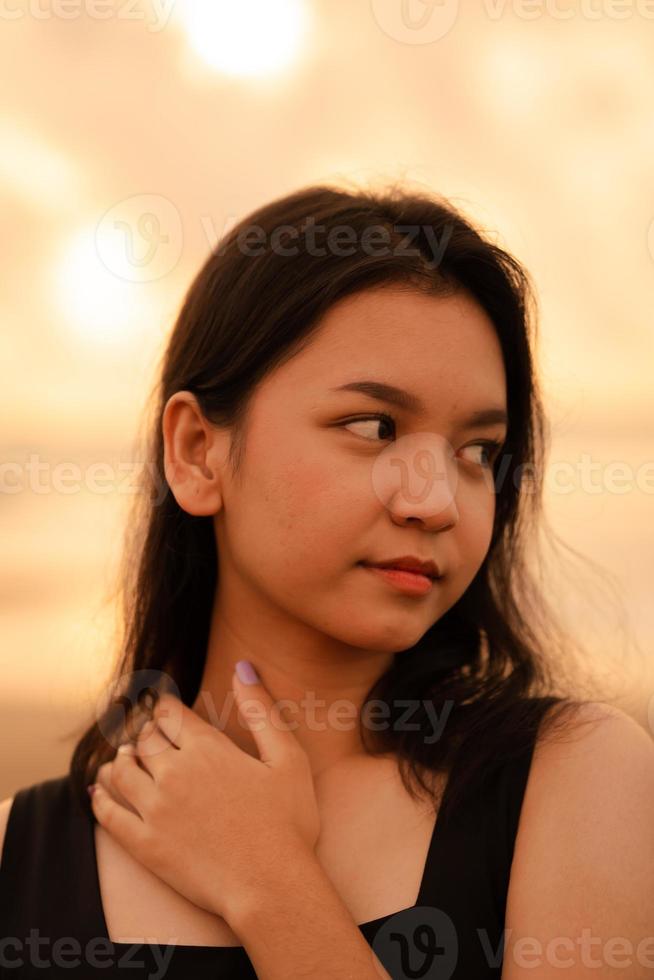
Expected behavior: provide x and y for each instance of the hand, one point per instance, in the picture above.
(209, 819)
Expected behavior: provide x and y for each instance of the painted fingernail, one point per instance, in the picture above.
(246, 672)
(91, 789)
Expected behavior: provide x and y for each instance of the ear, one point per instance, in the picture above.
(195, 452)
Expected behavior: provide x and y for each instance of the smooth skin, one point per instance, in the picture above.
(292, 598)
(292, 529)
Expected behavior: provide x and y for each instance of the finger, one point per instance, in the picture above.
(178, 722)
(270, 721)
(104, 778)
(135, 784)
(153, 748)
(127, 828)
(126, 778)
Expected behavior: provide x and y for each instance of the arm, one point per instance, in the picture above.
(581, 893)
(5, 807)
(296, 925)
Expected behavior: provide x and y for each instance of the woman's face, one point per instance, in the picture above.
(323, 489)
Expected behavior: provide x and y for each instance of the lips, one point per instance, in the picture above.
(409, 563)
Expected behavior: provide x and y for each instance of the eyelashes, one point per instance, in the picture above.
(491, 447)
(375, 417)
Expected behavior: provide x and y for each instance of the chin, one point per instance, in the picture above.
(392, 641)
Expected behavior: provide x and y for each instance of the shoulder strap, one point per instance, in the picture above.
(505, 796)
(469, 864)
(45, 873)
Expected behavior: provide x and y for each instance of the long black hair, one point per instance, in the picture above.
(496, 662)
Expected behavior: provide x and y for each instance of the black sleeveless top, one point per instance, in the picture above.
(51, 914)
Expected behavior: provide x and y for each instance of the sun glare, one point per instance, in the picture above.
(96, 304)
(260, 37)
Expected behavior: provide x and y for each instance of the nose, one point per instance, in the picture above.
(423, 485)
(434, 519)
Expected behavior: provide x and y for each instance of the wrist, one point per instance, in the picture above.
(277, 883)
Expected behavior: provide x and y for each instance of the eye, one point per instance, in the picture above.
(490, 448)
(370, 421)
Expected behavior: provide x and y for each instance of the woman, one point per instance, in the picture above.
(349, 385)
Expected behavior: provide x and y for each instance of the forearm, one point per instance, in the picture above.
(297, 925)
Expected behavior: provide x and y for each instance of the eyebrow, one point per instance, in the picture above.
(404, 399)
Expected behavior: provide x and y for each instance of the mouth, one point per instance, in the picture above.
(408, 582)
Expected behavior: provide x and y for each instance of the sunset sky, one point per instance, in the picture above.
(129, 144)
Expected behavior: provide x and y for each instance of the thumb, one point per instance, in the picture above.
(268, 720)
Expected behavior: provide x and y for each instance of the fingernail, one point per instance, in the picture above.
(246, 672)
(91, 789)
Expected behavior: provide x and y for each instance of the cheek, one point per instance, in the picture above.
(326, 506)
(307, 511)
(473, 535)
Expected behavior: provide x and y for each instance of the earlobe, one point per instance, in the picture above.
(200, 499)
(195, 493)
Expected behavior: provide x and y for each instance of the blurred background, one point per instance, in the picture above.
(134, 134)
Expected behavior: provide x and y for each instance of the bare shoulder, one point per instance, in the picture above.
(584, 853)
(5, 807)
(585, 722)
(597, 748)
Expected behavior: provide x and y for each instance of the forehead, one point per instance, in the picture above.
(444, 349)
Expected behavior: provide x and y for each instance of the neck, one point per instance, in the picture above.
(321, 683)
